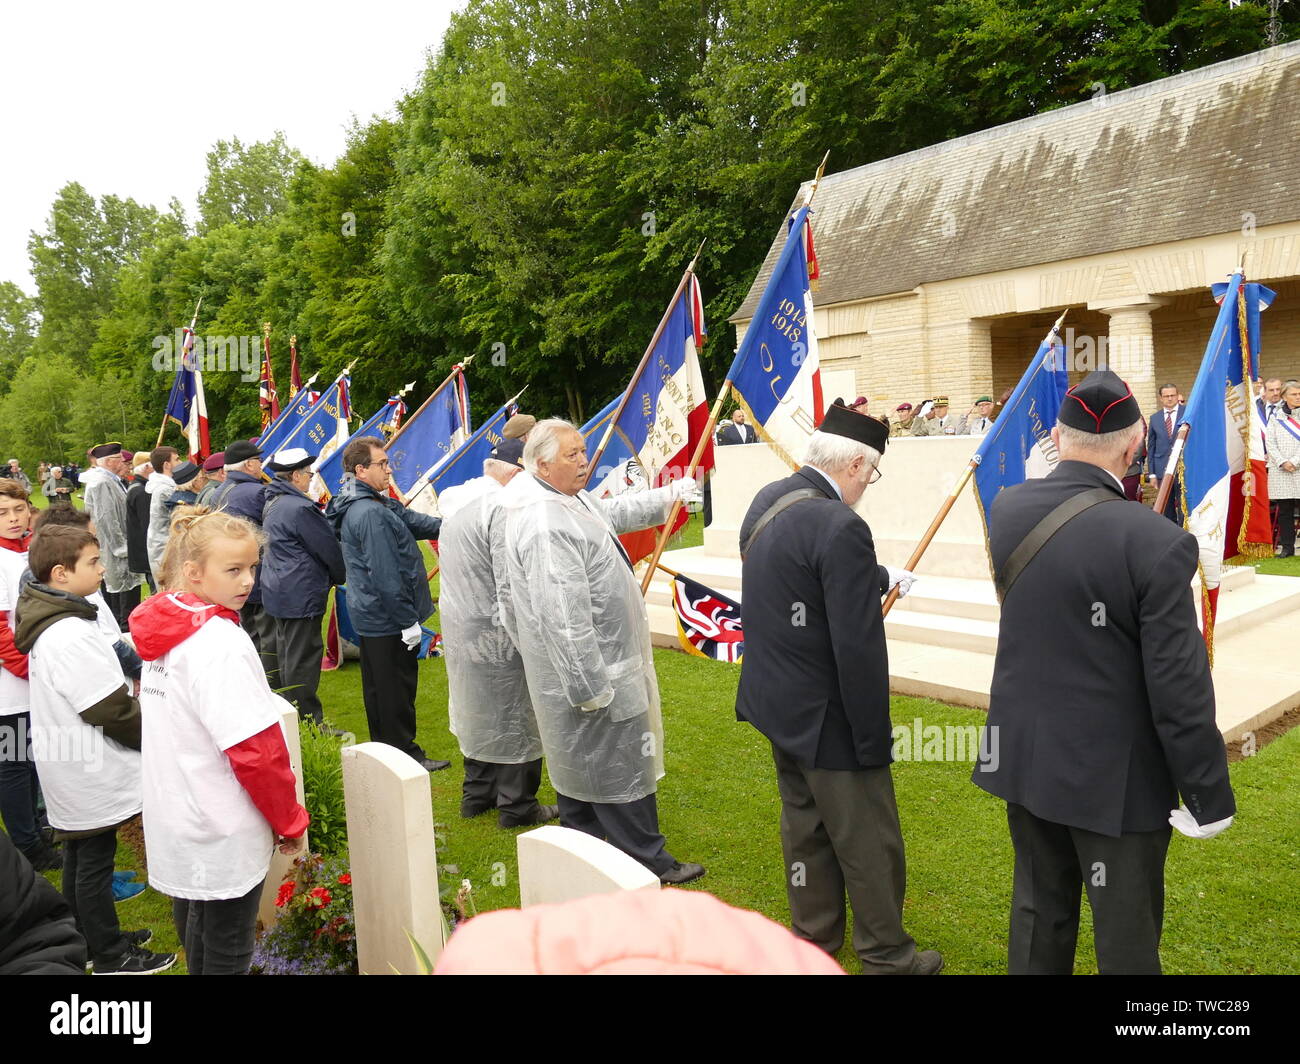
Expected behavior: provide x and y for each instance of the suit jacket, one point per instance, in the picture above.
(729, 434)
(815, 675)
(137, 526)
(1101, 698)
(1159, 444)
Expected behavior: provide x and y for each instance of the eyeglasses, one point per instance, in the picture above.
(876, 474)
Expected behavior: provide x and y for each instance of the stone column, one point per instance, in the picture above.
(1130, 348)
(961, 362)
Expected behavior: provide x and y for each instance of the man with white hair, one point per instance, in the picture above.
(815, 682)
(487, 692)
(105, 498)
(1102, 701)
(571, 604)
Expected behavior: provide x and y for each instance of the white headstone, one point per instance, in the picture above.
(267, 913)
(391, 856)
(559, 864)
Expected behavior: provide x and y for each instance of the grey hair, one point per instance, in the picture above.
(1097, 444)
(833, 454)
(543, 443)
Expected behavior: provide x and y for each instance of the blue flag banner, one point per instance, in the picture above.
(776, 374)
(466, 462)
(1019, 445)
(330, 470)
(293, 415)
(324, 423)
(430, 436)
(618, 451)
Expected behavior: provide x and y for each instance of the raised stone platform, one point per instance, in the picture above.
(943, 636)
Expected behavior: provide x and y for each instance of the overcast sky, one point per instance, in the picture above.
(128, 97)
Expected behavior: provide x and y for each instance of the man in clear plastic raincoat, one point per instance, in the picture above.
(491, 714)
(573, 607)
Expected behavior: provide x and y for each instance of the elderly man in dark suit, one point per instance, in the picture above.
(1101, 703)
(1160, 441)
(815, 682)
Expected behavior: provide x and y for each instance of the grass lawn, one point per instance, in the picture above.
(1231, 901)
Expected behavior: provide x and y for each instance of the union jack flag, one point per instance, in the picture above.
(708, 624)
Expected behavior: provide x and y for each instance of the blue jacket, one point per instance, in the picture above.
(302, 559)
(1158, 444)
(387, 589)
(244, 496)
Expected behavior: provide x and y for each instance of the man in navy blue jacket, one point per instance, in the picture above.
(244, 493)
(388, 594)
(300, 564)
(1160, 439)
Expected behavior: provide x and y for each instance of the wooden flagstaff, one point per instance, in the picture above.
(162, 429)
(645, 359)
(948, 503)
(714, 414)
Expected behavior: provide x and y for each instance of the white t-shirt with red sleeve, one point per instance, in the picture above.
(14, 693)
(205, 838)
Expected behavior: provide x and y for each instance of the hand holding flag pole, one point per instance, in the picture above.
(965, 477)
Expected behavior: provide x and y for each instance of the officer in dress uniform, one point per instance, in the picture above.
(815, 682)
(1101, 704)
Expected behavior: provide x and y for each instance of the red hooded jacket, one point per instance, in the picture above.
(13, 659)
(260, 762)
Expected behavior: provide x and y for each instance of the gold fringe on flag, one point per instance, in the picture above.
(1207, 618)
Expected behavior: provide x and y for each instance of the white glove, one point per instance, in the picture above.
(411, 636)
(902, 578)
(683, 489)
(1186, 824)
(599, 702)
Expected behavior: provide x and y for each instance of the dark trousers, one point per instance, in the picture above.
(121, 603)
(1125, 877)
(389, 678)
(840, 831)
(510, 789)
(218, 935)
(298, 648)
(260, 627)
(632, 827)
(1286, 514)
(19, 788)
(88, 887)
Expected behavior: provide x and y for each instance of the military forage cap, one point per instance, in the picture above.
(1101, 402)
(106, 450)
(509, 451)
(241, 451)
(841, 421)
(290, 459)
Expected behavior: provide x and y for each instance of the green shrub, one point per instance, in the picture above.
(322, 780)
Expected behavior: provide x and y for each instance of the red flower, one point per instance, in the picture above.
(346, 879)
(320, 897)
(286, 892)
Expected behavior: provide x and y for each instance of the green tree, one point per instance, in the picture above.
(246, 184)
(17, 330)
(34, 416)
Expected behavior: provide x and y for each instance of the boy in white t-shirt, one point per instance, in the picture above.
(85, 739)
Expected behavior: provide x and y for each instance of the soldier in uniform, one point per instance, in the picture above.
(1101, 703)
(815, 682)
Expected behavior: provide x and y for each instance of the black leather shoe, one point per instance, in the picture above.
(469, 812)
(541, 815)
(430, 765)
(681, 872)
(927, 962)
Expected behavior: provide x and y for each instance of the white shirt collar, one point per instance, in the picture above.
(829, 480)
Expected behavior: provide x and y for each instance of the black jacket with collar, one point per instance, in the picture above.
(815, 675)
(1102, 702)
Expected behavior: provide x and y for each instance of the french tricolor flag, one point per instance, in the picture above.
(186, 405)
(776, 374)
(1223, 463)
(663, 420)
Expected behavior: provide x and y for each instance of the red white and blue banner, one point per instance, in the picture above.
(267, 398)
(186, 405)
(708, 624)
(430, 437)
(776, 374)
(1223, 467)
(381, 424)
(662, 422)
(291, 417)
(325, 426)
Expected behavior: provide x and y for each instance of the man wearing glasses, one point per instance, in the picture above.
(815, 682)
(388, 593)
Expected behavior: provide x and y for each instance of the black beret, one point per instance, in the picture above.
(841, 421)
(1101, 402)
(106, 450)
(242, 451)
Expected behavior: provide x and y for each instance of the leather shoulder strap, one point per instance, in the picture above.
(1039, 535)
(783, 503)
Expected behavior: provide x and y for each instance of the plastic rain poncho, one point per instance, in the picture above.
(105, 499)
(491, 713)
(574, 609)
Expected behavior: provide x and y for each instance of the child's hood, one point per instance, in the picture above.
(163, 622)
(40, 606)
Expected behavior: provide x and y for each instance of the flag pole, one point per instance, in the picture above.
(406, 500)
(705, 437)
(457, 369)
(645, 359)
(162, 429)
(949, 502)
